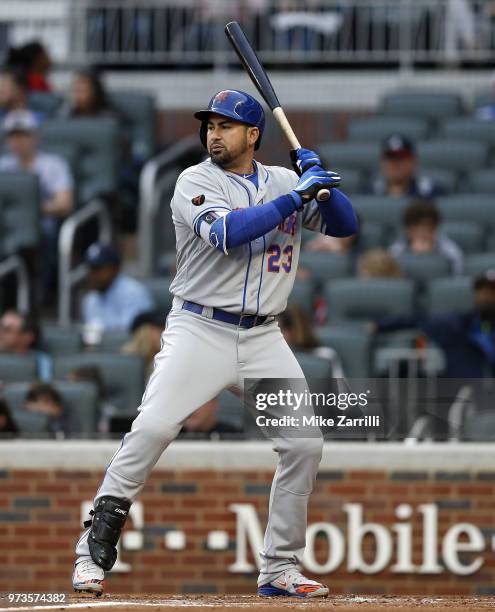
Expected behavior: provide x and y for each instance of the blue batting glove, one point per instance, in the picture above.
(304, 159)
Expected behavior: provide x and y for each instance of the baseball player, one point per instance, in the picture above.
(238, 226)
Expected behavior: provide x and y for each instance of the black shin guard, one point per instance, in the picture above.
(109, 516)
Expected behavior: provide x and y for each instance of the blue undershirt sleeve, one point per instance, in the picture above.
(338, 216)
(241, 226)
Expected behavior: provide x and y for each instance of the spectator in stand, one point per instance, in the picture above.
(56, 183)
(34, 60)
(399, 175)
(204, 422)
(8, 427)
(421, 235)
(487, 112)
(377, 263)
(114, 299)
(12, 91)
(43, 398)
(146, 330)
(20, 335)
(88, 97)
(467, 339)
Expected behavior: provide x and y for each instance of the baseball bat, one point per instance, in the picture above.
(260, 79)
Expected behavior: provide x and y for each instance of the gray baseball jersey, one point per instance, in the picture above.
(256, 278)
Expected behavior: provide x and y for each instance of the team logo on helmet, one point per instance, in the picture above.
(220, 97)
(198, 200)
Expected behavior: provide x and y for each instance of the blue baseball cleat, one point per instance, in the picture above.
(292, 583)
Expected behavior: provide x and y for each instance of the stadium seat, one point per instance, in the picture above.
(467, 234)
(325, 266)
(113, 341)
(484, 97)
(18, 368)
(478, 263)
(483, 181)
(231, 409)
(44, 102)
(372, 235)
(357, 155)
(123, 375)
(159, 286)
(380, 127)
(313, 366)
(468, 128)
(138, 112)
(353, 346)
(445, 178)
(98, 150)
(303, 294)
(80, 403)
(30, 424)
(352, 180)
(423, 267)
(19, 212)
(476, 207)
(425, 104)
(445, 295)
(479, 427)
(60, 340)
(457, 155)
(368, 299)
(384, 210)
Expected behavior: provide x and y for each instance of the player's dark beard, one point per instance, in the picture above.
(225, 158)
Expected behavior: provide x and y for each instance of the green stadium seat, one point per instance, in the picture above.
(353, 346)
(363, 156)
(80, 403)
(352, 180)
(445, 295)
(159, 287)
(372, 235)
(113, 341)
(426, 104)
(423, 267)
(31, 424)
(457, 155)
(303, 294)
(384, 210)
(446, 178)
(484, 97)
(468, 128)
(230, 410)
(368, 299)
(479, 427)
(325, 266)
(44, 102)
(60, 340)
(19, 212)
(467, 234)
(123, 375)
(138, 112)
(483, 181)
(380, 127)
(18, 368)
(476, 207)
(479, 262)
(98, 151)
(313, 366)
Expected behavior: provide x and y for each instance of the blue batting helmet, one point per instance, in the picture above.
(237, 105)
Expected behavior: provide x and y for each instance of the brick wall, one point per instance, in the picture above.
(40, 513)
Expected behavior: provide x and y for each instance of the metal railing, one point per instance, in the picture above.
(190, 33)
(150, 196)
(15, 265)
(68, 275)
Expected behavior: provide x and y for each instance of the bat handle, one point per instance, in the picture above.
(324, 194)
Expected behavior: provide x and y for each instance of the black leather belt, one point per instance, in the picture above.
(245, 321)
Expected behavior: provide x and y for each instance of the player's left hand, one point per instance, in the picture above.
(304, 159)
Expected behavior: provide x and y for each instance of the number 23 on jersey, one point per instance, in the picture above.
(279, 258)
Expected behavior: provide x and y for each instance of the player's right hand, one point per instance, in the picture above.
(314, 179)
(304, 159)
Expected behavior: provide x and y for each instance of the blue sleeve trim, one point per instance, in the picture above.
(203, 212)
(338, 216)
